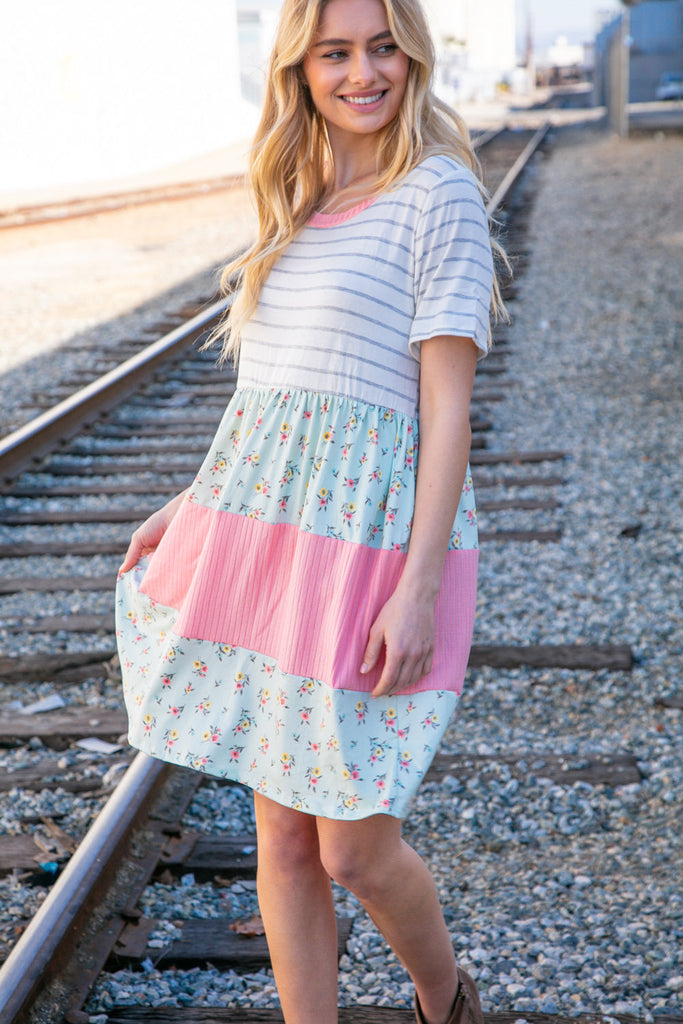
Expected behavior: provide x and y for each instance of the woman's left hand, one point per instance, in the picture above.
(405, 625)
(405, 628)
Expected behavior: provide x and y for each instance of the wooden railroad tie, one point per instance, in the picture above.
(167, 489)
(202, 941)
(347, 1015)
(620, 769)
(46, 517)
(49, 773)
(672, 700)
(63, 467)
(90, 548)
(521, 536)
(58, 728)
(564, 769)
(67, 667)
(223, 858)
(76, 666)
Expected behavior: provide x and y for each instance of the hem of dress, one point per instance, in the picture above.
(353, 814)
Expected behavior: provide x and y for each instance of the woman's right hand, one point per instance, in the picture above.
(147, 537)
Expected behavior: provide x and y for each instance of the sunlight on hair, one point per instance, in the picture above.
(291, 164)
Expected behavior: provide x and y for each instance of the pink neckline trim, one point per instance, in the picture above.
(330, 220)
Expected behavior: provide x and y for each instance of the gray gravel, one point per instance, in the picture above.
(559, 898)
(98, 281)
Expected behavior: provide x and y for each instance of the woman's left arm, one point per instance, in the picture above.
(405, 625)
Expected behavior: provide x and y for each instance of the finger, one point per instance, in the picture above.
(128, 562)
(405, 673)
(372, 651)
(133, 555)
(390, 679)
(422, 669)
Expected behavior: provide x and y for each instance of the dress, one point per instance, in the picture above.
(241, 638)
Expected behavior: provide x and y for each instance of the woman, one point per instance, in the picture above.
(303, 623)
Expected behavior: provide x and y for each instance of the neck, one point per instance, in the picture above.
(354, 159)
(339, 200)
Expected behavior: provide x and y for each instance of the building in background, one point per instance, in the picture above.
(257, 21)
(656, 48)
(101, 91)
(98, 92)
(565, 63)
(475, 41)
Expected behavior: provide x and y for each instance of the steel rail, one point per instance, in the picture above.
(25, 445)
(38, 954)
(43, 948)
(89, 206)
(510, 179)
(487, 136)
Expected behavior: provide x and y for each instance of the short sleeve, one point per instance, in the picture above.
(453, 263)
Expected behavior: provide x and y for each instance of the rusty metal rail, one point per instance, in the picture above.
(515, 172)
(20, 449)
(90, 206)
(48, 942)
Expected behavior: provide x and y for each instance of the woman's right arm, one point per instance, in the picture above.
(147, 537)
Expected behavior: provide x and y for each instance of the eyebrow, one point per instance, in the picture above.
(349, 42)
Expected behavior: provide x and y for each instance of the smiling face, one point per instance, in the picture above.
(356, 73)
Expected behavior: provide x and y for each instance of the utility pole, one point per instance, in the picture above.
(622, 72)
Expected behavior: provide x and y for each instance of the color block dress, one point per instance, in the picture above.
(241, 638)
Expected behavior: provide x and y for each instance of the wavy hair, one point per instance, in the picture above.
(291, 163)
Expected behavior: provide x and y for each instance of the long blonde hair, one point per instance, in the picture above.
(291, 165)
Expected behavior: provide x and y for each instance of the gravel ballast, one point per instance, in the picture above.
(96, 282)
(561, 899)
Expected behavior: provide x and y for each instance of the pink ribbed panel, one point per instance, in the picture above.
(307, 601)
(175, 562)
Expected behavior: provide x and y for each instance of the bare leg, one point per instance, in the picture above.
(394, 885)
(295, 897)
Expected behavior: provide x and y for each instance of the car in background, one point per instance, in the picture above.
(670, 86)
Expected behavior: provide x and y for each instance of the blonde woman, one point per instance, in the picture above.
(300, 619)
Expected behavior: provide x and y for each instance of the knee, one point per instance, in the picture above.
(356, 869)
(287, 840)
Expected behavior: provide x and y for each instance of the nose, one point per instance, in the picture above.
(362, 70)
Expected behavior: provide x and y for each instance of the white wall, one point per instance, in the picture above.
(487, 27)
(480, 51)
(492, 35)
(96, 89)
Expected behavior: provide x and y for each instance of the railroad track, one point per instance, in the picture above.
(90, 206)
(74, 481)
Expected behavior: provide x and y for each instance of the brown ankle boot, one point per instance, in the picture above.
(466, 1008)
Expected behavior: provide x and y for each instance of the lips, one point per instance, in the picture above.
(364, 101)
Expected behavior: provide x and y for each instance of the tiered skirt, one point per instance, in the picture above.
(241, 638)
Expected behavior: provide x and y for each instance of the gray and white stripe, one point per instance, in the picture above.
(346, 306)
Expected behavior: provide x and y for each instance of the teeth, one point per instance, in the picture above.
(364, 100)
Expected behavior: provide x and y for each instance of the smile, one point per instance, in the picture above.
(364, 101)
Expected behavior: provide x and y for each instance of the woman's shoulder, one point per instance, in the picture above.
(441, 169)
(438, 179)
